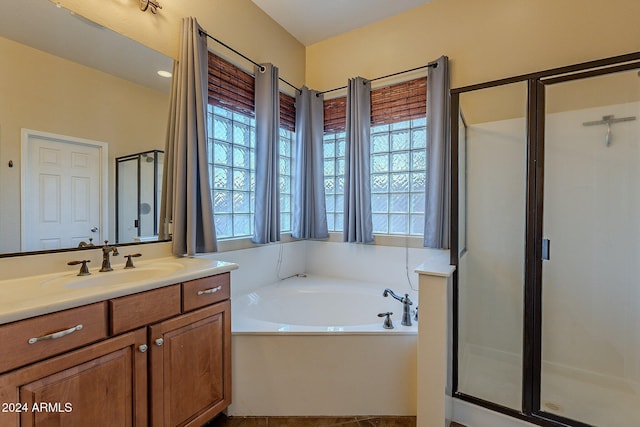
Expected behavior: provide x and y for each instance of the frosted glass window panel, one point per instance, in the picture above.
(333, 150)
(380, 143)
(231, 148)
(241, 157)
(400, 140)
(241, 180)
(286, 161)
(223, 225)
(241, 202)
(222, 153)
(222, 201)
(380, 203)
(379, 183)
(329, 167)
(330, 185)
(400, 161)
(399, 182)
(222, 129)
(380, 223)
(394, 157)
(222, 178)
(241, 134)
(380, 163)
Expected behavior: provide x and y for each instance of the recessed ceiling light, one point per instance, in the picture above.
(163, 73)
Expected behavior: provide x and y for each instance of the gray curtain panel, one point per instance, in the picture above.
(438, 188)
(309, 212)
(358, 224)
(267, 205)
(187, 201)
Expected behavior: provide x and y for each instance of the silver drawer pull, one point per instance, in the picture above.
(55, 335)
(210, 291)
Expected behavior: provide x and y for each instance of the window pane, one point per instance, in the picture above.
(231, 158)
(398, 171)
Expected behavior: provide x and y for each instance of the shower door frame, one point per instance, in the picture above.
(532, 316)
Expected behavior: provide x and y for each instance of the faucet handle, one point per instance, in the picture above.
(130, 261)
(387, 324)
(84, 270)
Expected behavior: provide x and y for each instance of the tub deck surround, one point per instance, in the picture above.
(318, 305)
(315, 346)
(30, 296)
(435, 284)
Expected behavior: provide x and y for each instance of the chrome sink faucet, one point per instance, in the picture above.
(406, 305)
(106, 251)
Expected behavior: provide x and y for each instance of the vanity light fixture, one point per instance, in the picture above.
(163, 73)
(151, 5)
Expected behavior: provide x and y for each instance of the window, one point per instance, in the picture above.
(287, 138)
(398, 176)
(398, 159)
(286, 159)
(231, 149)
(333, 145)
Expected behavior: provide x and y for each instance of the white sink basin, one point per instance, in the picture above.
(115, 277)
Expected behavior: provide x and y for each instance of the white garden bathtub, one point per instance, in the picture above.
(310, 346)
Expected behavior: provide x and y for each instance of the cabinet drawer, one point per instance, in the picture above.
(208, 290)
(133, 311)
(44, 336)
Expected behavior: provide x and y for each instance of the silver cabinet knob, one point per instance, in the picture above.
(94, 229)
(159, 342)
(143, 348)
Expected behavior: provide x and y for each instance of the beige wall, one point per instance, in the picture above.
(46, 93)
(485, 40)
(239, 23)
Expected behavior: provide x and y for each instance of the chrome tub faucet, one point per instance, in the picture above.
(106, 251)
(406, 305)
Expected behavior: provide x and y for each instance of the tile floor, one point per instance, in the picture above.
(223, 421)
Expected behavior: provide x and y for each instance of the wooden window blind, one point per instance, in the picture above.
(234, 89)
(287, 112)
(400, 102)
(230, 87)
(335, 115)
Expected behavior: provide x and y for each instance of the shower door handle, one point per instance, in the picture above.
(545, 249)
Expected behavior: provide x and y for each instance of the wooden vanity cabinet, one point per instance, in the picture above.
(190, 373)
(101, 385)
(166, 361)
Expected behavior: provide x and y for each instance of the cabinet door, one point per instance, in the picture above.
(190, 372)
(103, 384)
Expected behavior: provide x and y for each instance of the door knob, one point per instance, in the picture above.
(94, 229)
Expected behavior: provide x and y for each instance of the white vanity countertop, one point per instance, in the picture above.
(31, 296)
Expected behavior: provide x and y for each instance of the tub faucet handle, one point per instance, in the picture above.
(387, 324)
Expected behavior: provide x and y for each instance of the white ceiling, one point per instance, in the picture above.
(311, 21)
(43, 26)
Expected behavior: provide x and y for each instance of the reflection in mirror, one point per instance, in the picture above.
(66, 76)
(138, 187)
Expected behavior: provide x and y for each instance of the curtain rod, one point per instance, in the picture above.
(433, 64)
(245, 57)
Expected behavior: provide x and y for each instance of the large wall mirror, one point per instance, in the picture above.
(69, 85)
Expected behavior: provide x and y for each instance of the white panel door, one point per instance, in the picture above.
(62, 191)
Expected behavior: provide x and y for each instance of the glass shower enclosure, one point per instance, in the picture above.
(547, 314)
(138, 190)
